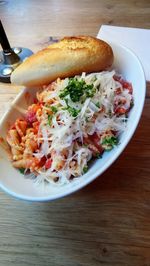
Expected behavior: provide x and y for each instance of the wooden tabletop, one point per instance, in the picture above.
(107, 222)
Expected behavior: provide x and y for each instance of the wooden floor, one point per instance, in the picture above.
(108, 222)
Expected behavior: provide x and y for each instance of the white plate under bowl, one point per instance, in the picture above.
(125, 63)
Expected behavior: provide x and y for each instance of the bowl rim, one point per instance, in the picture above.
(98, 173)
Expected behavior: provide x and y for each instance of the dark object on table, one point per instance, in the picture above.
(10, 58)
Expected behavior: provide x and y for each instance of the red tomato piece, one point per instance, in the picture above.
(118, 91)
(35, 100)
(94, 140)
(48, 163)
(125, 84)
(128, 86)
(121, 110)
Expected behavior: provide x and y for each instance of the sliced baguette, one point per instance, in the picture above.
(68, 57)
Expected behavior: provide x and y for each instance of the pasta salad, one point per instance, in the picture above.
(70, 122)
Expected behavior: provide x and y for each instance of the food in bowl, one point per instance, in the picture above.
(71, 121)
(124, 61)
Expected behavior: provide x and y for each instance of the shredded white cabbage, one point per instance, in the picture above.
(63, 138)
(78, 119)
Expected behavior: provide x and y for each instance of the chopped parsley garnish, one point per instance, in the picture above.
(109, 142)
(89, 90)
(74, 112)
(49, 119)
(54, 109)
(77, 89)
(98, 104)
(98, 155)
(22, 170)
(85, 169)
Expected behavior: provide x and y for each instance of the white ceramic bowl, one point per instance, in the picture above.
(127, 64)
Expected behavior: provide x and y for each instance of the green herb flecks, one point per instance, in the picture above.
(72, 111)
(89, 91)
(98, 155)
(98, 104)
(85, 169)
(54, 109)
(49, 119)
(109, 142)
(22, 170)
(77, 90)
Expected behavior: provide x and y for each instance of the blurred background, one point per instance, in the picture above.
(32, 23)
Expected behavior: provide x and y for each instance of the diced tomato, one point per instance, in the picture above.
(94, 140)
(48, 163)
(130, 88)
(35, 100)
(119, 101)
(121, 110)
(42, 161)
(127, 85)
(118, 91)
(124, 83)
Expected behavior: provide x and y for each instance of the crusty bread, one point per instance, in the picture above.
(68, 57)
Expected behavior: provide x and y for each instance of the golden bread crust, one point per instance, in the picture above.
(68, 57)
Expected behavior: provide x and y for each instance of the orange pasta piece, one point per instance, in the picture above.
(13, 137)
(21, 126)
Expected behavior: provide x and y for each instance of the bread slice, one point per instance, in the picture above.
(68, 57)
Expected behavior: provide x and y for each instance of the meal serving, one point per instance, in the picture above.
(71, 121)
(80, 110)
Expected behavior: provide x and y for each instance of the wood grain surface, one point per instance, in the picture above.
(107, 222)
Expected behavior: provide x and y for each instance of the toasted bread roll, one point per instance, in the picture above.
(66, 58)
